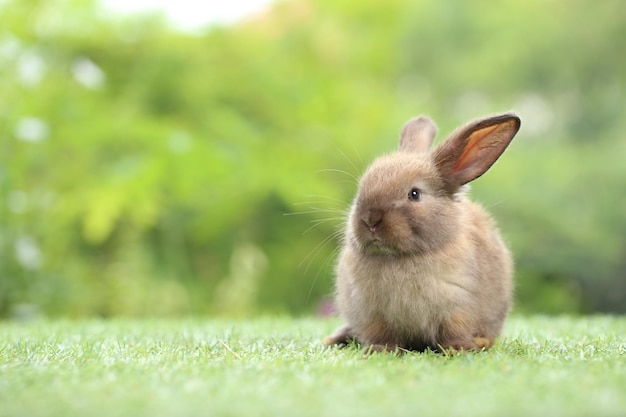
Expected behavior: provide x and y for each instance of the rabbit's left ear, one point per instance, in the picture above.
(471, 150)
(417, 134)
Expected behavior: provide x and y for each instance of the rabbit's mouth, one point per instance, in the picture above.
(375, 245)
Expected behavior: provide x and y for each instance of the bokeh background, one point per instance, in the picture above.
(146, 170)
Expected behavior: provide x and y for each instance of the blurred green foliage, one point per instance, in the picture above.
(147, 171)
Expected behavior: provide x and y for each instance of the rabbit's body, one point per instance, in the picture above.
(412, 298)
(422, 266)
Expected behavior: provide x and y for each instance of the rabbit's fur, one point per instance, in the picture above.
(421, 265)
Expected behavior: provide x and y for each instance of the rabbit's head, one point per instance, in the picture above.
(410, 202)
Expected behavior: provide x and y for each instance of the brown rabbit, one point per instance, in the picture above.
(422, 266)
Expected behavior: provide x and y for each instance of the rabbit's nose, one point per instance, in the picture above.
(372, 218)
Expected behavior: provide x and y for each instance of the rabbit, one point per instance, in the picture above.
(421, 266)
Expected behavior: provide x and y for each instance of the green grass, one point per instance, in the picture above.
(277, 366)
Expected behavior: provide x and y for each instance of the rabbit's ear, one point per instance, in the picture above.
(417, 134)
(471, 150)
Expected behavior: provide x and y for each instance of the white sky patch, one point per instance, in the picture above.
(31, 69)
(191, 14)
(31, 129)
(27, 252)
(87, 73)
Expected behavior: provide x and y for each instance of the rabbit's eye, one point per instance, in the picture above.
(415, 194)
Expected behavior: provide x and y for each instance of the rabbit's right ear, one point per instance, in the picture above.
(472, 149)
(417, 134)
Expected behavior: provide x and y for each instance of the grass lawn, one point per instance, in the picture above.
(277, 366)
